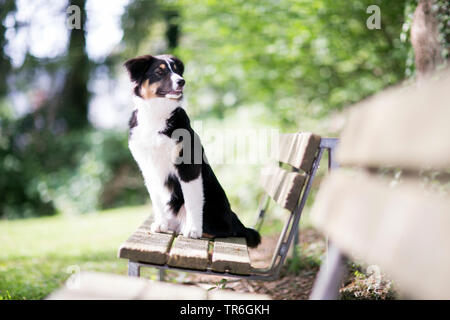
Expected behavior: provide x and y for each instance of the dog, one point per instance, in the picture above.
(187, 198)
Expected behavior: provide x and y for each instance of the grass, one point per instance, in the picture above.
(37, 255)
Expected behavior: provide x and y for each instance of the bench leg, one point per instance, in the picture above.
(134, 269)
(328, 281)
(296, 243)
(161, 274)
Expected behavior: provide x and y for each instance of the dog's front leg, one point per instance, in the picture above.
(193, 203)
(160, 223)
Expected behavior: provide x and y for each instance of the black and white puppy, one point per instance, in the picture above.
(186, 195)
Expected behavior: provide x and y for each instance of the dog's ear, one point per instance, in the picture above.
(179, 65)
(138, 66)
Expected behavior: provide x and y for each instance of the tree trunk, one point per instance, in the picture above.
(73, 104)
(173, 30)
(425, 38)
(7, 7)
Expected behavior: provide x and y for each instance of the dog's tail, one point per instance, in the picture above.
(252, 236)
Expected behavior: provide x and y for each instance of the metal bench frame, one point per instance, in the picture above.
(286, 237)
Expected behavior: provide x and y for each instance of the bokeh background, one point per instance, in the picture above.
(65, 98)
(65, 101)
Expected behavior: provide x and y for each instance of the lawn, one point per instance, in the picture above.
(37, 255)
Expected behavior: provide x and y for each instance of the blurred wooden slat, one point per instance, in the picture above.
(189, 253)
(148, 247)
(282, 186)
(231, 255)
(401, 127)
(159, 290)
(297, 149)
(404, 230)
(100, 286)
(104, 286)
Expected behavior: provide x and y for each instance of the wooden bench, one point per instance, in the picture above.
(229, 256)
(105, 286)
(369, 213)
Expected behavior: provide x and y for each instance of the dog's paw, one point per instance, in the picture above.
(159, 227)
(174, 225)
(192, 232)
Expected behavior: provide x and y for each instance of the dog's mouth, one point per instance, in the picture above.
(173, 94)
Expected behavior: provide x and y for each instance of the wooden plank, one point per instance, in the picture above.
(158, 290)
(404, 230)
(231, 255)
(103, 286)
(148, 247)
(297, 149)
(100, 286)
(401, 127)
(282, 186)
(189, 253)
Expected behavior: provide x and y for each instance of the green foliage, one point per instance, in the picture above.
(295, 58)
(405, 37)
(443, 17)
(5, 295)
(138, 18)
(43, 172)
(308, 256)
(285, 64)
(219, 285)
(367, 285)
(98, 157)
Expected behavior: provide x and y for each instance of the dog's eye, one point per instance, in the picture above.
(159, 72)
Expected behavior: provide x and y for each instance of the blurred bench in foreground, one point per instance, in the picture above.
(388, 204)
(103, 286)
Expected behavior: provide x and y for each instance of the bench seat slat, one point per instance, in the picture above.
(404, 128)
(189, 253)
(282, 186)
(404, 229)
(297, 149)
(231, 255)
(144, 246)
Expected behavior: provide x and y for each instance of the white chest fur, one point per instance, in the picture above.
(151, 149)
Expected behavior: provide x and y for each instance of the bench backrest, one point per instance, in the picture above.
(402, 225)
(289, 188)
(297, 150)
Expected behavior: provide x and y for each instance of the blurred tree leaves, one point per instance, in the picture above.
(297, 58)
(293, 59)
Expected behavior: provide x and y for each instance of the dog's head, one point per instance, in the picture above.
(157, 76)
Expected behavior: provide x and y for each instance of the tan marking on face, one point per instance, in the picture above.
(162, 66)
(148, 91)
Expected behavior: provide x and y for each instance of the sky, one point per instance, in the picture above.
(43, 32)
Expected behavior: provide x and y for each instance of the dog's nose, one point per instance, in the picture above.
(181, 82)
